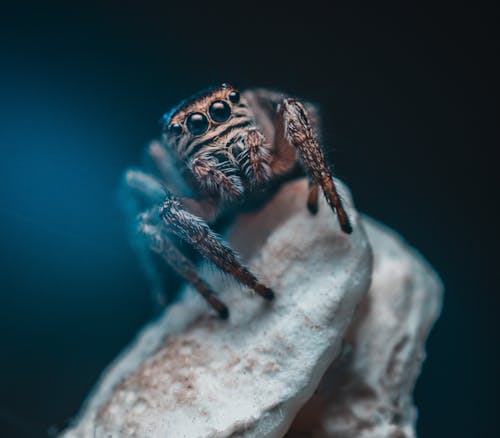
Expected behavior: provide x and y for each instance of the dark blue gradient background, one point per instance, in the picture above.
(408, 100)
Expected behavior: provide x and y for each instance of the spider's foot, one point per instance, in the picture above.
(223, 312)
(312, 207)
(218, 306)
(346, 227)
(264, 292)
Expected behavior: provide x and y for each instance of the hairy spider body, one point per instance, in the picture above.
(227, 146)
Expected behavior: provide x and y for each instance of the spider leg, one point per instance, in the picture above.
(139, 190)
(144, 186)
(143, 189)
(167, 166)
(197, 233)
(257, 166)
(299, 132)
(312, 199)
(163, 246)
(153, 192)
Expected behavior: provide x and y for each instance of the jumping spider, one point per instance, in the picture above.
(228, 146)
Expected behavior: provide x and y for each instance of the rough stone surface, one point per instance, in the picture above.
(367, 391)
(189, 374)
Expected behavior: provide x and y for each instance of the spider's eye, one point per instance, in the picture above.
(175, 129)
(234, 96)
(197, 123)
(220, 111)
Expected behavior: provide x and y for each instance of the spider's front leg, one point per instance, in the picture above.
(141, 188)
(162, 245)
(197, 233)
(299, 132)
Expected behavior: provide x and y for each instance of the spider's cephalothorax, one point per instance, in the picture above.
(226, 144)
(216, 135)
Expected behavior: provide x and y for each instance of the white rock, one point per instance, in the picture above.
(367, 392)
(189, 374)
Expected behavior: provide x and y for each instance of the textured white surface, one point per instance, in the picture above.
(367, 392)
(191, 375)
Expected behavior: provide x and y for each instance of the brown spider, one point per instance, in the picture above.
(229, 146)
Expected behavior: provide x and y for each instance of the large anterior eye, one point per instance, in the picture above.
(220, 111)
(197, 123)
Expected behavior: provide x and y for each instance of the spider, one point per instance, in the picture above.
(220, 148)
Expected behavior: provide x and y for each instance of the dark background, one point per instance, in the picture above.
(409, 109)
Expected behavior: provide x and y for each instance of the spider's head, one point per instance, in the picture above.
(208, 132)
(205, 120)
